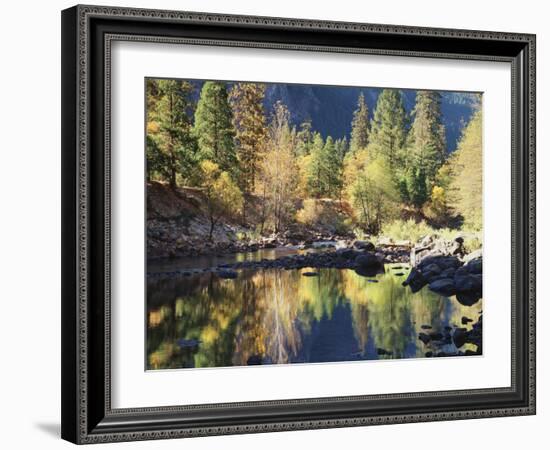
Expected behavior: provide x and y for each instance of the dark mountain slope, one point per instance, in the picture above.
(330, 108)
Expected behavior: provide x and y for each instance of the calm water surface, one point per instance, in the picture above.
(276, 316)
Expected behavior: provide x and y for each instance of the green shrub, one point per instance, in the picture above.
(342, 226)
(324, 215)
(311, 212)
(410, 230)
(249, 235)
(414, 231)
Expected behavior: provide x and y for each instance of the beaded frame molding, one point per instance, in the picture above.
(87, 35)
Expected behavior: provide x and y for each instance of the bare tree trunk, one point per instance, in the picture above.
(171, 148)
(211, 232)
(173, 174)
(245, 203)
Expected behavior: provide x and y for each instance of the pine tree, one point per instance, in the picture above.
(341, 150)
(427, 146)
(170, 144)
(156, 159)
(246, 101)
(315, 169)
(360, 126)
(388, 130)
(341, 147)
(417, 190)
(332, 169)
(304, 138)
(214, 129)
(324, 173)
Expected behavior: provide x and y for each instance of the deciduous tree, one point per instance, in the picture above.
(279, 171)
(467, 183)
(223, 196)
(373, 195)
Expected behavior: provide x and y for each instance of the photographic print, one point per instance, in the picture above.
(294, 223)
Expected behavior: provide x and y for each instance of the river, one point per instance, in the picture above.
(277, 316)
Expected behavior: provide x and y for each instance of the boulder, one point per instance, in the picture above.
(431, 246)
(367, 261)
(448, 273)
(415, 280)
(475, 266)
(433, 268)
(364, 245)
(431, 272)
(367, 264)
(443, 286)
(466, 282)
(443, 262)
(346, 253)
(468, 298)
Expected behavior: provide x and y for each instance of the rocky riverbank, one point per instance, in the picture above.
(449, 275)
(177, 226)
(443, 273)
(361, 256)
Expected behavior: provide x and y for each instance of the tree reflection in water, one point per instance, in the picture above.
(279, 317)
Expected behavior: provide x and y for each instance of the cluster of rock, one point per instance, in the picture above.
(448, 275)
(450, 340)
(365, 262)
(431, 245)
(185, 237)
(363, 257)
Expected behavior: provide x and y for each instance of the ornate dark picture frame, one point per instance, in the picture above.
(87, 34)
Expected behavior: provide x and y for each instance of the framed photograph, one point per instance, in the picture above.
(282, 224)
